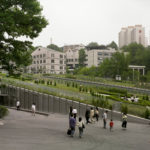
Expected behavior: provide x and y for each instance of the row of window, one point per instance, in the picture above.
(44, 61)
(44, 67)
(104, 54)
(72, 60)
(43, 55)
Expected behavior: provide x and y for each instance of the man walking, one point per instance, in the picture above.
(72, 124)
(105, 118)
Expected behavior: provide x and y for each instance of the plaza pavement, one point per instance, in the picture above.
(22, 131)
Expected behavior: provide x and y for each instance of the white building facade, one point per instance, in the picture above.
(46, 60)
(72, 55)
(132, 34)
(96, 56)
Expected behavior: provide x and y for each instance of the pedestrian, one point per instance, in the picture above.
(105, 118)
(87, 116)
(91, 115)
(96, 114)
(81, 127)
(124, 121)
(72, 125)
(33, 108)
(111, 124)
(18, 105)
(74, 112)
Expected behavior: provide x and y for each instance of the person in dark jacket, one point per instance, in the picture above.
(87, 116)
(72, 123)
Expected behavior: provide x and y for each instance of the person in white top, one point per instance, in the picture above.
(74, 112)
(18, 104)
(105, 118)
(33, 108)
(92, 115)
(81, 126)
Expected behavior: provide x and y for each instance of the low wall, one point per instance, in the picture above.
(52, 104)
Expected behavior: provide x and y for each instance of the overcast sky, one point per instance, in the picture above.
(85, 21)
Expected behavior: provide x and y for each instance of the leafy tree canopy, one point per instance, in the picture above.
(139, 55)
(113, 45)
(95, 45)
(82, 58)
(18, 18)
(116, 65)
(55, 47)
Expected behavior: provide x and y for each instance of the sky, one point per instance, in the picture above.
(85, 21)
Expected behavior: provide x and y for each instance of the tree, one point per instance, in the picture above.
(20, 18)
(82, 58)
(92, 45)
(138, 55)
(55, 47)
(113, 45)
(116, 65)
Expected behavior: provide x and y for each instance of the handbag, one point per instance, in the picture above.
(69, 131)
(83, 126)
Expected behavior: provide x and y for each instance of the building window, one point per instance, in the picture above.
(41, 56)
(44, 55)
(34, 62)
(61, 56)
(40, 61)
(44, 61)
(61, 62)
(99, 53)
(106, 54)
(37, 62)
(37, 56)
(52, 55)
(76, 60)
(52, 67)
(52, 61)
(61, 67)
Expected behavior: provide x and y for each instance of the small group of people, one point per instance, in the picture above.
(111, 124)
(91, 116)
(33, 107)
(73, 122)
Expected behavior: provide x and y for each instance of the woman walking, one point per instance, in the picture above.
(81, 127)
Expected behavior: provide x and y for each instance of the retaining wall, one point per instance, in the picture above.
(52, 104)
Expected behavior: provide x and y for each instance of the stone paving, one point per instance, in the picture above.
(22, 131)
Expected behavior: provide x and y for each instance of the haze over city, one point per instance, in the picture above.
(84, 21)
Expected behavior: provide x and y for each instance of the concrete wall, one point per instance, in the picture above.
(51, 104)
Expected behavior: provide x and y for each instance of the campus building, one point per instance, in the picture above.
(72, 55)
(46, 60)
(96, 56)
(132, 34)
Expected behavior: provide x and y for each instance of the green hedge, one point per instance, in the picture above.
(3, 111)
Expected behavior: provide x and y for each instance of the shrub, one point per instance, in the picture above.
(47, 82)
(115, 90)
(147, 114)
(76, 85)
(124, 109)
(68, 84)
(2, 86)
(73, 84)
(3, 111)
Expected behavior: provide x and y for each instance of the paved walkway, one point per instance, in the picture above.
(22, 131)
